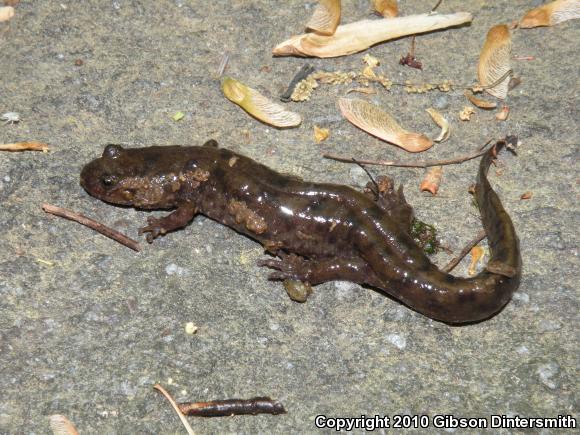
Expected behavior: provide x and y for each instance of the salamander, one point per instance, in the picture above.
(315, 232)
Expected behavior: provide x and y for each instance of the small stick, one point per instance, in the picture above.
(304, 72)
(224, 408)
(179, 413)
(419, 164)
(24, 146)
(97, 226)
(524, 58)
(455, 261)
(436, 6)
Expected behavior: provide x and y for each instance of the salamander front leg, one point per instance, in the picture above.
(177, 219)
(318, 271)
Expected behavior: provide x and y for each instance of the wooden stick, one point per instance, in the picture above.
(224, 408)
(419, 164)
(455, 261)
(24, 146)
(97, 226)
(179, 413)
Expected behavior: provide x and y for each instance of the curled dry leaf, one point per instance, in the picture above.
(258, 105)
(375, 121)
(465, 114)
(479, 102)
(494, 60)
(477, 253)
(503, 114)
(6, 13)
(432, 180)
(551, 14)
(441, 122)
(326, 17)
(387, 8)
(360, 35)
(321, 134)
(60, 425)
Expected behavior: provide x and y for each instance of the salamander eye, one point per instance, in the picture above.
(109, 180)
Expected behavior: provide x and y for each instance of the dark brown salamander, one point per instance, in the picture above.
(320, 232)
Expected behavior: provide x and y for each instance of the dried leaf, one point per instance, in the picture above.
(375, 121)
(494, 60)
(24, 146)
(465, 114)
(360, 35)
(321, 134)
(258, 105)
(527, 195)
(366, 91)
(387, 8)
(6, 13)
(432, 180)
(326, 17)
(479, 102)
(551, 14)
(60, 425)
(503, 114)
(441, 122)
(477, 253)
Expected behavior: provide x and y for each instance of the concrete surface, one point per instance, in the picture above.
(88, 326)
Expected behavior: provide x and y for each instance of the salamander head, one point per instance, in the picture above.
(146, 178)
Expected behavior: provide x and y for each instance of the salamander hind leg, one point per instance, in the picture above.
(392, 201)
(160, 226)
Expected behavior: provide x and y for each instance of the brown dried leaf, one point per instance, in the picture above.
(360, 35)
(387, 8)
(24, 146)
(441, 122)
(325, 18)
(60, 425)
(494, 60)
(321, 134)
(258, 105)
(527, 195)
(6, 13)
(375, 121)
(479, 102)
(432, 180)
(551, 13)
(503, 114)
(465, 114)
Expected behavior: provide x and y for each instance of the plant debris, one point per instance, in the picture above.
(304, 72)
(326, 17)
(375, 121)
(456, 260)
(386, 8)
(6, 13)
(527, 195)
(358, 36)
(494, 61)
(441, 122)
(24, 146)
(321, 134)
(465, 114)
(176, 408)
(410, 59)
(97, 226)
(425, 236)
(432, 180)
(551, 14)
(258, 105)
(60, 425)
(503, 114)
(10, 118)
(479, 102)
(477, 253)
(226, 408)
(178, 116)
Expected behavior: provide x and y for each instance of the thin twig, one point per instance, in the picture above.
(97, 226)
(24, 146)
(228, 407)
(179, 413)
(223, 65)
(377, 192)
(419, 164)
(304, 72)
(455, 261)
(436, 6)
